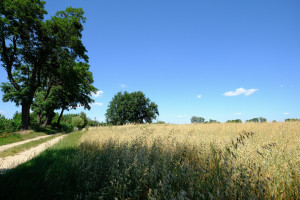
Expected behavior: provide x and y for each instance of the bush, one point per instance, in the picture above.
(17, 120)
(66, 127)
(77, 122)
(10, 125)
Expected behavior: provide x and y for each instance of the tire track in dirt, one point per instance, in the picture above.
(13, 161)
(8, 146)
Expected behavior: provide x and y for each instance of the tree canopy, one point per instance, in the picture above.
(257, 120)
(35, 53)
(234, 121)
(131, 108)
(197, 120)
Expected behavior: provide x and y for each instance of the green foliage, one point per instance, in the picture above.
(160, 122)
(292, 120)
(47, 176)
(93, 123)
(67, 127)
(234, 121)
(17, 120)
(257, 120)
(16, 137)
(38, 56)
(213, 121)
(10, 125)
(132, 107)
(197, 120)
(23, 147)
(68, 118)
(6, 125)
(85, 119)
(77, 122)
(72, 87)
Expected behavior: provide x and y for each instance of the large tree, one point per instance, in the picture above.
(30, 47)
(72, 88)
(131, 108)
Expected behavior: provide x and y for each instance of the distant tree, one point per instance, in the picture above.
(291, 120)
(85, 119)
(257, 120)
(77, 122)
(213, 121)
(93, 122)
(262, 120)
(131, 108)
(234, 121)
(197, 120)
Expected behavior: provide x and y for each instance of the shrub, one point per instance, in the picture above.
(77, 122)
(10, 125)
(17, 120)
(66, 127)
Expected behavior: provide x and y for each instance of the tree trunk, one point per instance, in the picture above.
(46, 122)
(25, 116)
(39, 119)
(60, 116)
(49, 118)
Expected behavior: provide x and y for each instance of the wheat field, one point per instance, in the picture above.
(195, 161)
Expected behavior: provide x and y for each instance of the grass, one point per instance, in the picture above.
(48, 176)
(20, 148)
(16, 137)
(207, 161)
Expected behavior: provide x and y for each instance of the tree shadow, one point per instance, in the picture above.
(48, 131)
(51, 175)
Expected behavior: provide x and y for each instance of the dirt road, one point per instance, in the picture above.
(13, 161)
(4, 147)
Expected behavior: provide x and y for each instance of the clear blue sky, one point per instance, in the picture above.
(175, 51)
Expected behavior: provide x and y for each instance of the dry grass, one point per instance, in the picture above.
(247, 160)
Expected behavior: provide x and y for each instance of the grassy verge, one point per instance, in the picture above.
(48, 176)
(17, 149)
(16, 137)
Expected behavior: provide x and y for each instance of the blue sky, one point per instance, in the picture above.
(215, 59)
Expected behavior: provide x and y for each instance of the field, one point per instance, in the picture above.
(197, 161)
(206, 161)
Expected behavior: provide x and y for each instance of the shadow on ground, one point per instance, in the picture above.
(48, 176)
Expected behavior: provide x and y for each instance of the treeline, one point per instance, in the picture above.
(45, 60)
(67, 123)
(292, 120)
(197, 120)
(257, 120)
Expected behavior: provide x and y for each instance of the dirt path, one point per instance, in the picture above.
(7, 146)
(13, 161)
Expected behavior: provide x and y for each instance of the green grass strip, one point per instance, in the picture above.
(20, 148)
(16, 137)
(70, 141)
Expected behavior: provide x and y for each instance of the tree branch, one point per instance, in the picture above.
(9, 62)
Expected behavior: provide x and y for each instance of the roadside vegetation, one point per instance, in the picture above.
(50, 175)
(161, 161)
(10, 128)
(23, 147)
(17, 137)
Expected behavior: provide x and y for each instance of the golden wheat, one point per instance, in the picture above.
(271, 151)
